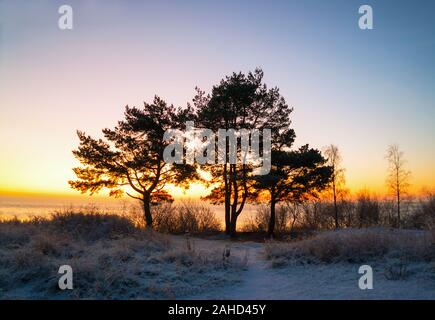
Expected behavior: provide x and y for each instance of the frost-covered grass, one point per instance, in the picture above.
(354, 246)
(110, 258)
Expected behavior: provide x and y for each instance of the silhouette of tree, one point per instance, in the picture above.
(295, 175)
(398, 176)
(337, 179)
(131, 156)
(240, 101)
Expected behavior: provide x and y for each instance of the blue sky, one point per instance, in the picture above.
(361, 90)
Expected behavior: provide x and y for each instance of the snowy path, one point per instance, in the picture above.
(334, 281)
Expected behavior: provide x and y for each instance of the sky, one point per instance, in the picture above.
(361, 90)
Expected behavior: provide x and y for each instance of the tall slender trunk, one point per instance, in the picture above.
(272, 219)
(234, 214)
(398, 197)
(335, 203)
(233, 229)
(398, 209)
(227, 202)
(147, 211)
(335, 208)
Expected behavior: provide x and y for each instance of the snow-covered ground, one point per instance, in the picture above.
(109, 259)
(314, 281)
(112, 259)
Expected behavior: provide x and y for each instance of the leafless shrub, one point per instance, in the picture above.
(287, 216)
(367, 210)
(226, 253)
(91, 226)
(187, 216)
(190, 245)
(424, 214)
(165, 218)
(317, 215)
(396, 270)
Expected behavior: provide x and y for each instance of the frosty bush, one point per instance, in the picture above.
(352, 245)
(187, 216)
(110, 257)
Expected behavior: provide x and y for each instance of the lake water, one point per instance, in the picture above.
(27, 206)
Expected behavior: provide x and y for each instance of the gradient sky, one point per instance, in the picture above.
(360, 90)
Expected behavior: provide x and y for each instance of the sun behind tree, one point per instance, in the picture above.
(131, 156)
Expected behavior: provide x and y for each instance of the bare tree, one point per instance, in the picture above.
(398, 176)
(337, 180)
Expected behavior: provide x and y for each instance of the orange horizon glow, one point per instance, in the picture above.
(360, 91)
(197, 190)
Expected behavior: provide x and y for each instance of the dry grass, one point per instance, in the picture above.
(353, 245)
(110, 257)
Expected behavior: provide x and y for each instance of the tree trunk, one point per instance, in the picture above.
(147, 212)
(233, 230)
(335, 204)
(227, 218)
(233, 186)
(227, 203)
(398, 209)
(272, 219)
